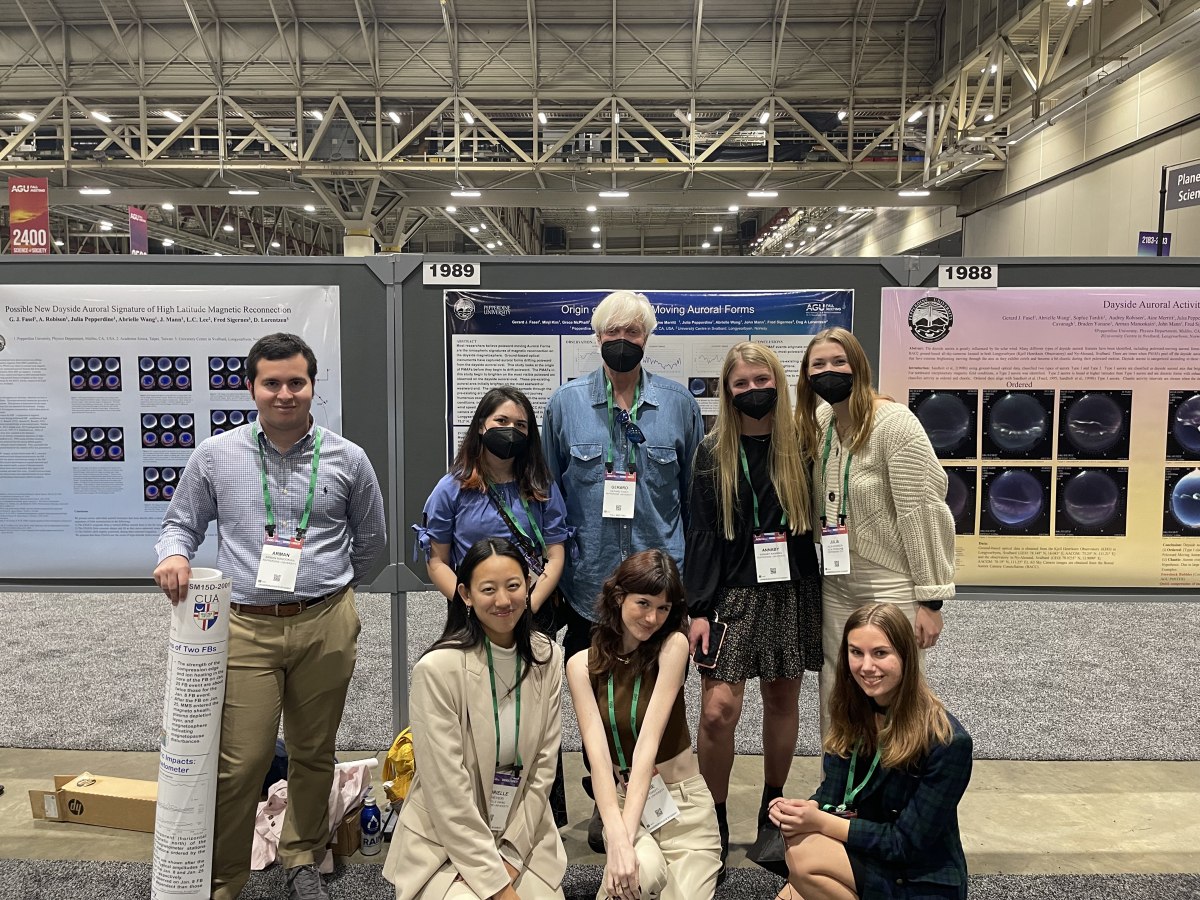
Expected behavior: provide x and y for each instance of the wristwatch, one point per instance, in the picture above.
(932, 605)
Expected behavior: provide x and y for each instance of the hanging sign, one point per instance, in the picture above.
(28, 215)
(138, 244)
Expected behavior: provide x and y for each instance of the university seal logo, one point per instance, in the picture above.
(206, 614)
(930, 319)
(464, 309)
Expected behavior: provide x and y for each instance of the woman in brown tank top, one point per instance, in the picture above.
(660, 824)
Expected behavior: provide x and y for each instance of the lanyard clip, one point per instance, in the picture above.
(270, 531)
(300, 533)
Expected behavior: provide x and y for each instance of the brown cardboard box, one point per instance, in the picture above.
(98, 800)
(348, 838)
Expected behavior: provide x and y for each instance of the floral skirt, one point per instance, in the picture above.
(772, 630)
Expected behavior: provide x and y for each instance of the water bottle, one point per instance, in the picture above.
(372, 827)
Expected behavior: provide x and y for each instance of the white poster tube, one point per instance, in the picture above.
(191, 739)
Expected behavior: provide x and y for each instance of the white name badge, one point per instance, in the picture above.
(660, 806)
(620, 491)
(279, 563)
(504, 792)
(835, 550)
(771, 557)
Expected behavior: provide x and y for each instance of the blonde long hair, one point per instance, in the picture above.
(917, 719)
(784, 461)
(862, 395)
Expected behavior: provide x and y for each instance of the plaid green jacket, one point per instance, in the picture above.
(917, 853)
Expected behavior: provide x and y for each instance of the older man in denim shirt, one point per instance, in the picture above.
(587, 434)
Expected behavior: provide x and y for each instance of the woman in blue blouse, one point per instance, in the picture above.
(498, 486)
(883, 825)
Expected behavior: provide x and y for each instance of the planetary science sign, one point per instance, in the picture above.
(1068, 423)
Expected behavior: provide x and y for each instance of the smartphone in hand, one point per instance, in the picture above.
(716, 637)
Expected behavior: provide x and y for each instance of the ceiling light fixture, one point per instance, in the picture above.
(58, 243)
(614, 194)
(227, 228)
(595, 245)
(988, 117)
(244, 192)
(788, 246)
(706, 245)
(105, 226)
(474, 229)
(595, 229)
(274, 245)
(733, 208)
(99, 116)
(591, 208)
(841, 209)
(167, 242)
(168, 206)
(811, 229)
(317, 114)
(465, 194)
(218, 253)
(499, 242)
(841, 115)
(993, 69)
(483, 225)
(172, 115)
(27, 116)
(914, 193)
(451, 209)
(617, 118)
(491, 245)
(717, 229)
(394, 116)
(828, 226)
(766, 194)
(916, 115)
(308, 207)
(764, 118)
(468, 118)
(542, 118)
(94, 191)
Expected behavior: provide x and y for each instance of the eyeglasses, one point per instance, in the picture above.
(632, 433)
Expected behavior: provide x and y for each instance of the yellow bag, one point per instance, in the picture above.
(399, 767)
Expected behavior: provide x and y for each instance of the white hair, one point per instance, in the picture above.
(620, 309)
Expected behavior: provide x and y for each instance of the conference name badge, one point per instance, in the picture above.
(620, 489)
(660, 806)
(771, 557)
(504, 792)
(835, 550)
(279, 563)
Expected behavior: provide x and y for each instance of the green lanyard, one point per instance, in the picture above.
(528, 515)
(496, 704)
(845, 479)
(612, 721)
(746, 472)
(851, 790)
(312, 485)
(637, 394)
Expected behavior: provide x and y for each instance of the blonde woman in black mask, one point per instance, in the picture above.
(750, 569)
(880, 494)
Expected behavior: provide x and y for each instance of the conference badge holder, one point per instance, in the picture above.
(771, 557)
(620, 489)
(660, 806)
(279, 563)
(835, 550)
(504, 792)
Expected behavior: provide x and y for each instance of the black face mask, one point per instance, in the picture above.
(832, 387)
(621, 355)
(756, 403)
(505, 443)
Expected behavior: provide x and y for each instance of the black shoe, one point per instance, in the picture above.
(304, 883)
(596, 832)
(724, 832)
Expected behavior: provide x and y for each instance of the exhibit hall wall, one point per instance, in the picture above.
(155, 334)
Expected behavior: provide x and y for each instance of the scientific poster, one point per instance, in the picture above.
(1068, 422)
(537, 340)
(197, 652)
(105, 391)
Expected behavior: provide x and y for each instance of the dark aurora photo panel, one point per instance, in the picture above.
(1094, 424)
(948, 417)
(1183, 425)
(1018, 424)
(960, 496)
(1015, 501)
(1181, 502)
(1091, 502)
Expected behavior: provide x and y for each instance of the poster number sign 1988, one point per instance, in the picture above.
(975, 275)
(450, 273)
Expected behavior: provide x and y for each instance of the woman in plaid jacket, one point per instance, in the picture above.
(884, 822)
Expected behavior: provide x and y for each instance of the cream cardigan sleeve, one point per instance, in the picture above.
(923, 521)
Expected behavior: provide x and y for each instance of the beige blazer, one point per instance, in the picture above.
(443, 827)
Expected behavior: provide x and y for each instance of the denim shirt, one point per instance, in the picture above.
(575, 433)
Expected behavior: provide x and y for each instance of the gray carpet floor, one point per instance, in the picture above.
(1029, 679)
(43, 880)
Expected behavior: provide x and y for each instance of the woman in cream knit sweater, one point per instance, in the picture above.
(899, 531)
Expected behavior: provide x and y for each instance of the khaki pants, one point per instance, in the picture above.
(682, 859)
(528, 887)
(299, 666)
(841, 595)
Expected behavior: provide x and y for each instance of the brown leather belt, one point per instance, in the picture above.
(281, 610)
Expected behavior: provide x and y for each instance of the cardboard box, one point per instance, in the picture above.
(89, 799)
(348, 838)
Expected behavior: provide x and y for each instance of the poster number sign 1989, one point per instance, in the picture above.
(450, 273)
(974, 275)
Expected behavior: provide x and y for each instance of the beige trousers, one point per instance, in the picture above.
(528, 887)
(300, 667)
(841, 595)
(682, 859)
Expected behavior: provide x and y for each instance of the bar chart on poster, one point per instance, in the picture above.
(537, 340)
(1068, 423)
(105, 392)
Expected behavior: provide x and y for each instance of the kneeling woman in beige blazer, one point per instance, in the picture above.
(660, 823)
(485, 710)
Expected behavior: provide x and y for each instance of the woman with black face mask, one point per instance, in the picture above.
(498, 486)
(880, 494)
(750, 570)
